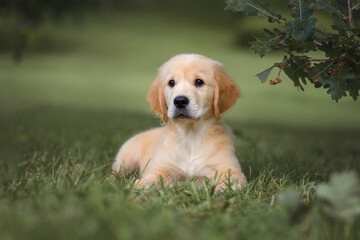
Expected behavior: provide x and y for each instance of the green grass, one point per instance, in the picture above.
(64, 115)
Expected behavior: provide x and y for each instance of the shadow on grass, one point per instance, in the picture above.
(86, 134)
(296, 151)
(56, 129)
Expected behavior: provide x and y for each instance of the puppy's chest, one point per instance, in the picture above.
(191, 156)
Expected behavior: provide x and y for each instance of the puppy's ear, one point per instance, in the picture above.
(156, 99)
(226, 91)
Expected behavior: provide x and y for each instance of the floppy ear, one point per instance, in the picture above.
(226, 91)
(156, 99)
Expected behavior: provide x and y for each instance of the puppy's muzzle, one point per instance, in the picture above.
(181, 102)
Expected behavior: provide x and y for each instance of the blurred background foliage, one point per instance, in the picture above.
(30, 25)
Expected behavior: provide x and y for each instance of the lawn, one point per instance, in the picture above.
(65, 113)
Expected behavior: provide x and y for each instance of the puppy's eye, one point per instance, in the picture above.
(199, 82)
(171, 83)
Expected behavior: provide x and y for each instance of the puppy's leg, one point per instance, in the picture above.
(225, 168)
(126, 159)
(137, 151)
(165, 174)
(223, 178)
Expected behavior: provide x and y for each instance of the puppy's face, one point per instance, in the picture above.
(191, 86)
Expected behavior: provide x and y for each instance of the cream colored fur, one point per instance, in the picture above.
(200, 145)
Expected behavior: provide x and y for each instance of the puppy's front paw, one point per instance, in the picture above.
(142, 184)
(234, 185)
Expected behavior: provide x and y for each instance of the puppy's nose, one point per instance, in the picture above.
(181, 101)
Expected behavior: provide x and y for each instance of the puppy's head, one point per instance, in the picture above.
(191, 86)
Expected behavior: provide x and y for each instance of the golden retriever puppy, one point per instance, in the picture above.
(189, 93)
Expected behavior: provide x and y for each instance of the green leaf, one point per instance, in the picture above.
(301, 30)
(263, 76)
(342, 5)
(300, 9)
(320, 71)
(295, 70)
(330, 48)
(354, 88)
(289, 199)
(341, 195)
(339, 25)
(334, 11)
(339, 49)
(300, 47)
(266, 42)
(326, 6)
(337, 88)
(338, 83)
(253, 8)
